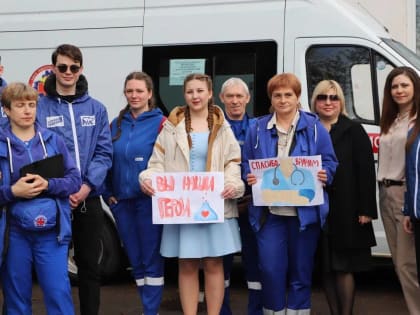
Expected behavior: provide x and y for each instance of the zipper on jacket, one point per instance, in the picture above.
(74, 133)
(416, 183)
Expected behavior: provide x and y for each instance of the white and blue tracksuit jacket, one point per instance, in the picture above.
(412, 176)
(261, 143)
(13, 157)
(84, 126)
(131, 153)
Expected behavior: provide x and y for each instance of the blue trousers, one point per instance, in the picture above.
(141, 240)
(286, 256)
(40, 250)
(249, 258)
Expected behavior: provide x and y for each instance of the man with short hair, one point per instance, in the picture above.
(82, 121)
(235, 96)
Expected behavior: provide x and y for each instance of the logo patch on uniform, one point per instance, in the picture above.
(40, 221)
(88, 121)
(139, 159)
(55, 121)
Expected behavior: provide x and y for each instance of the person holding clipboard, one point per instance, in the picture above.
(37, 177)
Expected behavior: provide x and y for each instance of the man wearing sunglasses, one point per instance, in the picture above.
(68, 110)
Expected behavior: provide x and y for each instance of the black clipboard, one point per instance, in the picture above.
(50, 167)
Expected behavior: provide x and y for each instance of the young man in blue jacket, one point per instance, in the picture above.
(83, 123)
(234, 94)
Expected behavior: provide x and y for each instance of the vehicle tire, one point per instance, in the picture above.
(71, 265)
(110, 258)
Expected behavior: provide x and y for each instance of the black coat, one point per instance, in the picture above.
(353, 191)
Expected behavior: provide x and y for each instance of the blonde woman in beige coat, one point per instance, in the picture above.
(197, 138)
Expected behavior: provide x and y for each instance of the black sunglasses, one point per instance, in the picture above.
(73, 68)
(324, 97)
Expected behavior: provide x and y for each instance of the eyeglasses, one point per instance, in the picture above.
(73, 68)
(324, 97)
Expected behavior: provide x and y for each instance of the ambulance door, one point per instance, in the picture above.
(254, 62)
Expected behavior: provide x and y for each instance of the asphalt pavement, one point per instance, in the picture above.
(378, 293)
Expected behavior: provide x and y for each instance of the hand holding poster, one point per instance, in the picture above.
(188, 197)
(290, 181)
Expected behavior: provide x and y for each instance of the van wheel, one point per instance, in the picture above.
(110, 257)
(71, 265)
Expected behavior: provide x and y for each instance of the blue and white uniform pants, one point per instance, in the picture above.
(41, 250)
(141, 240)
(286, 256)
(249, 258)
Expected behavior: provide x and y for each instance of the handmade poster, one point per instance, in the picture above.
(290, 181)
(188, 197)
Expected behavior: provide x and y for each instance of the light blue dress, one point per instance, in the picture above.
(202, 239)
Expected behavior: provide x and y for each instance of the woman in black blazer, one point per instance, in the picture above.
(348, 235)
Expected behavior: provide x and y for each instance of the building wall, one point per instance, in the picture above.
(399, 17)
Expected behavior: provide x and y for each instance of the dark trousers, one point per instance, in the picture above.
(87, 225)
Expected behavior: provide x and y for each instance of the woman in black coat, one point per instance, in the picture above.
(348, 235)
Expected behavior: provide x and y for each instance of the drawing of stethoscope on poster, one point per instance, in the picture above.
(290, 181)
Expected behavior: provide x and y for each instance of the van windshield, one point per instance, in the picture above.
(404, 51)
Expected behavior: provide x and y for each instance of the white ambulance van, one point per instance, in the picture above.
(251, 39)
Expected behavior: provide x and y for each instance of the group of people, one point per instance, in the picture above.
(45, 213)
(279, 244)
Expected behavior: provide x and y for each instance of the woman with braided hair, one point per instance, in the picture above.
(197, 138)
(134, 133)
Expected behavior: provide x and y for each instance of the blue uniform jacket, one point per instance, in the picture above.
(412, 173)
(84, 126)
(3, 117)
(246, 123)
(240, 135)
(310, 138)
(131, 153)
(59, 188)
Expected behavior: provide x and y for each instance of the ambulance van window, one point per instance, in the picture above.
(383, 68)
(168, 66)
(359, 70)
